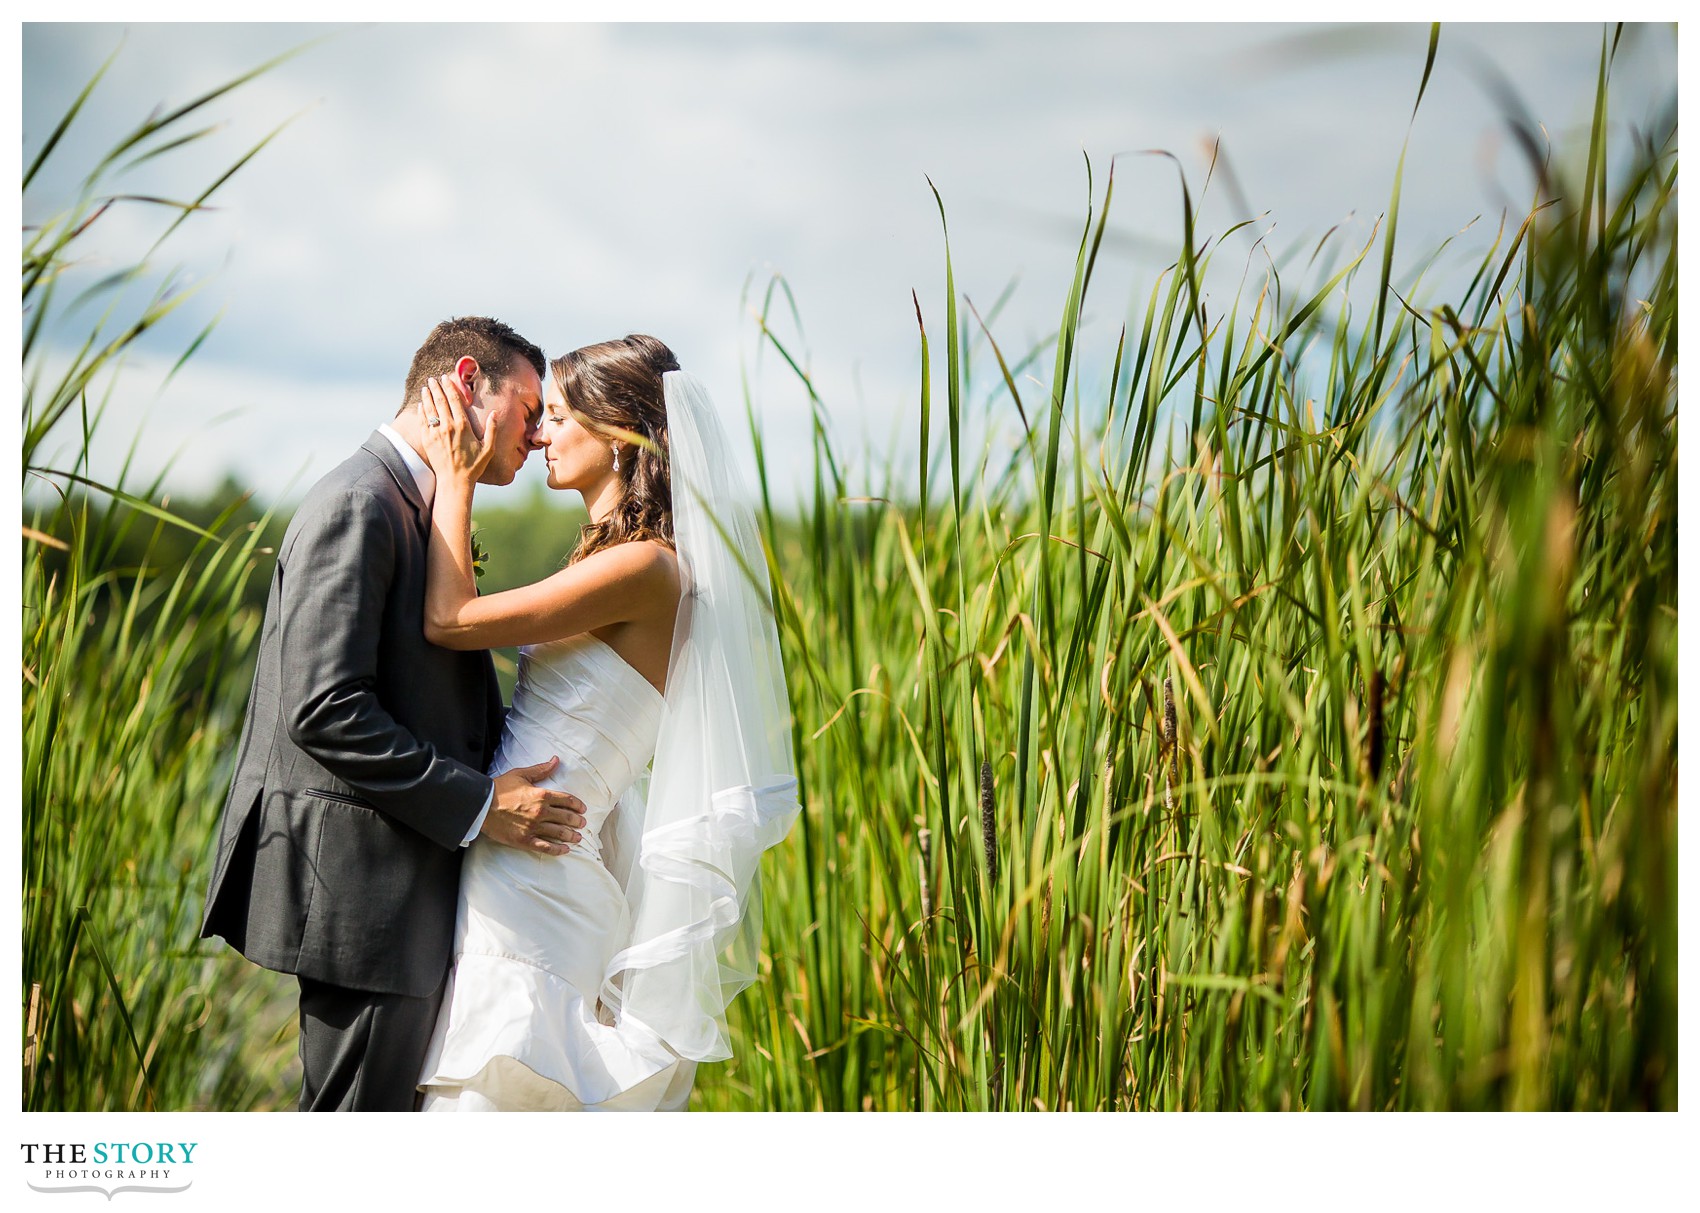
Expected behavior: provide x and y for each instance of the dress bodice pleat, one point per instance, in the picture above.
(578, 700)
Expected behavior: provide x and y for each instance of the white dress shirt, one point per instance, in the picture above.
(426, 481)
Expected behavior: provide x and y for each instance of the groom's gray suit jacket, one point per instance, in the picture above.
(361, 763)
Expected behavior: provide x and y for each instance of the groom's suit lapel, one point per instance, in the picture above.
(378, 445)
(387, 455)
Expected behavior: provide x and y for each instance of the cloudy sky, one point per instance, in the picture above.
(584, 181)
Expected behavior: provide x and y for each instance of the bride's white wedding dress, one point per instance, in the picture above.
(598, 979)
(521, 1027)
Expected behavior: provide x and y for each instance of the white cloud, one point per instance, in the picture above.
(584, 181)
(420, 199)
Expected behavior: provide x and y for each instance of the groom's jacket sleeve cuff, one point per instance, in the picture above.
(338, 572)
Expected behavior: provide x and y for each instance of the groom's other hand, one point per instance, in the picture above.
(531, 818)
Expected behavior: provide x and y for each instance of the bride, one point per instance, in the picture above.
(598, 979)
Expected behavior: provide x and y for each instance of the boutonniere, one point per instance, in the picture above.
(479, 556)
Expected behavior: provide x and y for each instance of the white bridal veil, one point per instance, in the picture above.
(722, 788)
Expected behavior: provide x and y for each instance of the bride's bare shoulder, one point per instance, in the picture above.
(640, 562)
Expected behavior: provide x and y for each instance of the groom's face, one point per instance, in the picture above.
(514, 411)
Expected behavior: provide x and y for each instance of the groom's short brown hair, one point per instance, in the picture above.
(493, 345)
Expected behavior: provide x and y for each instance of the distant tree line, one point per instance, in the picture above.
(527, 534)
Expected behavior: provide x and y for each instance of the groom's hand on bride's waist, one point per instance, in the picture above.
(531, 818)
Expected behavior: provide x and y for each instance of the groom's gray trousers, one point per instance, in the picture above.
(359, 773)
(361, 1052)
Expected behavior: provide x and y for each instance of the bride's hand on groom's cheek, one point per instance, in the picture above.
(531, 818)
(451, 446)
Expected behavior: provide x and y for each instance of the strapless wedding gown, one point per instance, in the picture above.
(521, 1028)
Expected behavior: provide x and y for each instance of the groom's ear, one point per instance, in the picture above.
(466, 370)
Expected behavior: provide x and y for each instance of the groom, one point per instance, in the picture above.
(360, 775)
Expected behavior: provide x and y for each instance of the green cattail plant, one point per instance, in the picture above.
(1367, 460)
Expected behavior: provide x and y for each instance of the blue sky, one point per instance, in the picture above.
(583, 181)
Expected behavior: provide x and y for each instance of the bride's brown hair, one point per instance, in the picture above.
(614, 390)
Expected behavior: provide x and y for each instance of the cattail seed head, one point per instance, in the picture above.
(1169, 728)
(925, 839)
(988, 823)
(1169, 760)
(1375, 748)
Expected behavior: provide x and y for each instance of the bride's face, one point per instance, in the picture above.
(576, 458)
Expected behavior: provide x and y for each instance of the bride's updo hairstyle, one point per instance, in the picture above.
(614, 389)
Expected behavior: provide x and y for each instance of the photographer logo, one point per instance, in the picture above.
(109, 1167)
